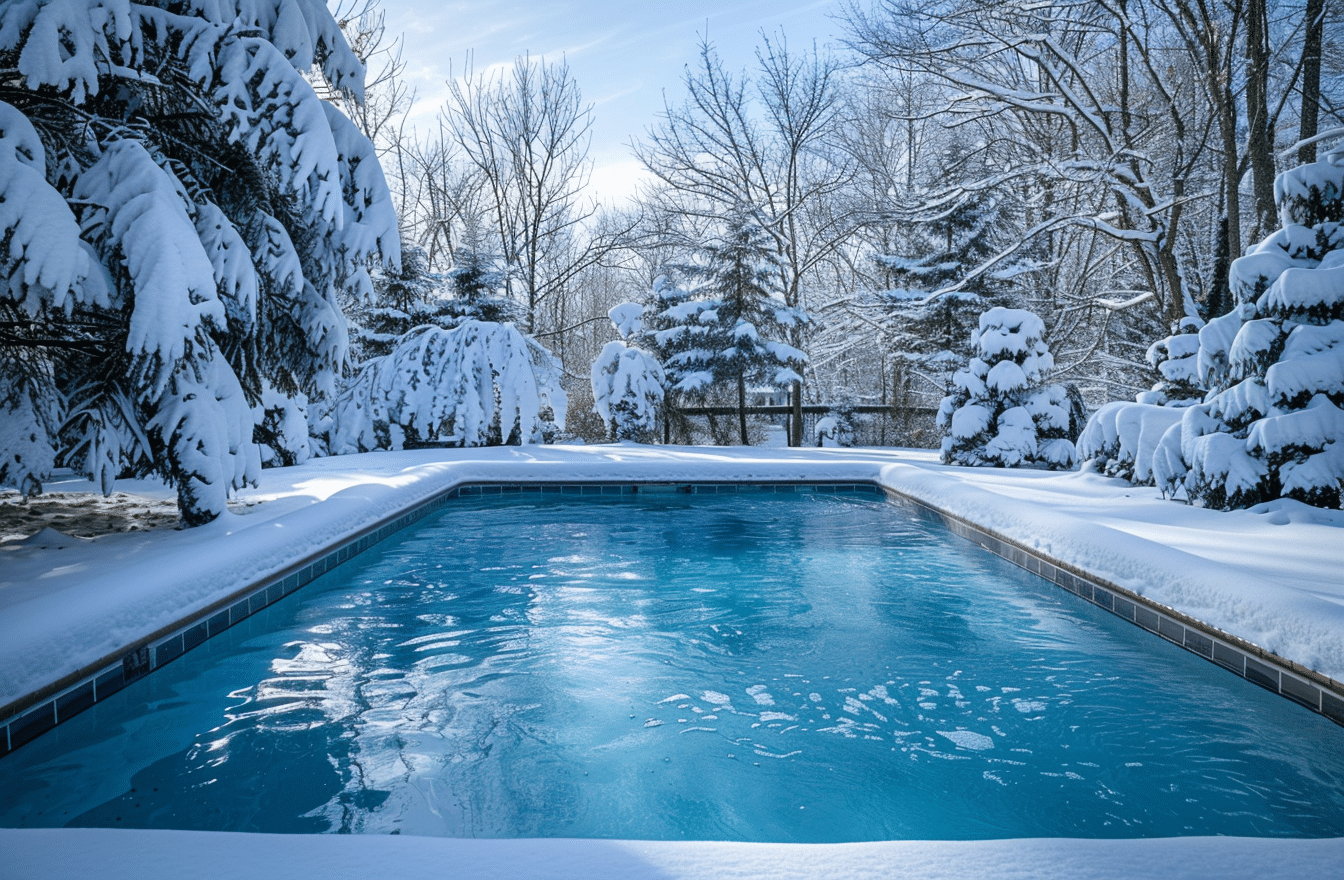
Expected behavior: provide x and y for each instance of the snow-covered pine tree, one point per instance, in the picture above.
(627, 380)
(729, 331)
(930, 335)
(479, 288)
(400, 301)
(1271, 425)
(178, 210)
(476, 384)
(1002, 414)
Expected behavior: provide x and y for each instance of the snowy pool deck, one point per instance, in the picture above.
(1273, 577)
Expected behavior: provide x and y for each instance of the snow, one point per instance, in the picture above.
(1269, 575)
(194, 855)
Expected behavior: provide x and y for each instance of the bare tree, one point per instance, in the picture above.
(766, 145)
(1122, 135)
(524, 134)
(383, 113)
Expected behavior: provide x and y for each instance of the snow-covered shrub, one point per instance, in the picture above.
(478, 384)
(627, 391)
(178, 214)
(1121, 437)
(1271, 425)
(627, 380)
(1002, 414)
(837, 427)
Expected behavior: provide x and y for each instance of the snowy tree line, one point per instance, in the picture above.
(1098, 163)
(837, 226)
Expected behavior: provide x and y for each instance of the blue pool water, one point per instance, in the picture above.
(798, 669)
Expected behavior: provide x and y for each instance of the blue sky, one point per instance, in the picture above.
(623, 54)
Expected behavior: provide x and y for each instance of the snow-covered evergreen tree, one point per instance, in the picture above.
(178, 213)
(627, 380)
(1271, 424)
(727, 329)
(477, 384)
(947, 250)
(479, 288)
(1002, 414)
(1176, 360)
(400, 300)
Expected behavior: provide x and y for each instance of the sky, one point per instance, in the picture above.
(623, 53)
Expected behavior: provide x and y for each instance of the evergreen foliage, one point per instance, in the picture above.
(1271, 425)
(727, 329)
(1001, 413)
(628, 381)
(951, 248)
(476, 384)
(178, 214)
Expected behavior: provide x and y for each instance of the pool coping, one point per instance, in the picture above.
(29, 716)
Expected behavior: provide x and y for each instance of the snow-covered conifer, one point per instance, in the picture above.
(1002, 414)
(1176, 360)
(727, 329)
(627, 380)
(178, 213)
(1271, 425)
(477, 384)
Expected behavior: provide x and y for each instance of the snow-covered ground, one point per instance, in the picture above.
(196, 855)
(1271, 575)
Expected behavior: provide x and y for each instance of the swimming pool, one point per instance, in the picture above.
(787, 669)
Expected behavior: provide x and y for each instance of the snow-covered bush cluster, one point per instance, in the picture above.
(627, 380)
(1002, 414)
(1120, 437)
(1271, 425)
(178, 212)
(477, 384)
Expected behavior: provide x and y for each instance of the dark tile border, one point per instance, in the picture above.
(30, 716)
(1304, 686)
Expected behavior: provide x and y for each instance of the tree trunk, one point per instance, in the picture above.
(1260, 140)
(796, 420)
(742, 406)
(1311, 80)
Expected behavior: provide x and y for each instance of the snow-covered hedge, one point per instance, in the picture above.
(1271, 425)
(1120, 437)
(478, 384)
(1002, 414)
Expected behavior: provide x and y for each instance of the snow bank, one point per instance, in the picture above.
(195, 855)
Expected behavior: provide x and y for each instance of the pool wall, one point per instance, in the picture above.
(36, 713)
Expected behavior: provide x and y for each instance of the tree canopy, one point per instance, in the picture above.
(178, 212)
